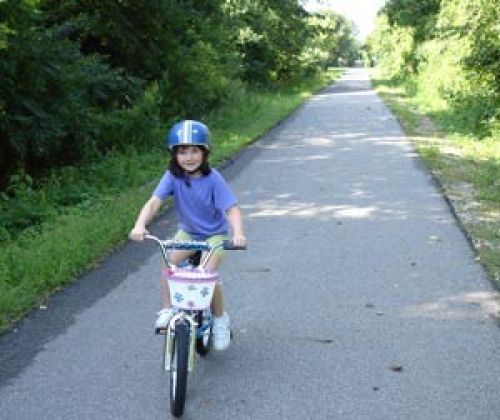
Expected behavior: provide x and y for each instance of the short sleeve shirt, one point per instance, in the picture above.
(201, 204)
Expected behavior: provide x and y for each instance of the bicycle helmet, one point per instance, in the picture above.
(189, 133)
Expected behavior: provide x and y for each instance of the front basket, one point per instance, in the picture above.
(190, 288)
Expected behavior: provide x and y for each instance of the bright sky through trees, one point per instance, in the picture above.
(361, 12)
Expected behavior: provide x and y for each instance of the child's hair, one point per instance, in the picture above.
(178, 172)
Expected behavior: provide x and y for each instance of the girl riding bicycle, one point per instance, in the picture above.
(207, 208)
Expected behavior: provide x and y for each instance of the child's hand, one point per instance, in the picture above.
(239, 240)
(138, 233)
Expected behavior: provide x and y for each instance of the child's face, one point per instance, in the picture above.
(189, 158)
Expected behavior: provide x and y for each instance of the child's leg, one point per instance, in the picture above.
(213, 265)
(221, 331)
(165, 314)
(176, 257)
(217, 299)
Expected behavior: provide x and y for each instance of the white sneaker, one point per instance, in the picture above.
(221, 334)
(164, 317)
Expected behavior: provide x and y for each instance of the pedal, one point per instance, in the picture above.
(160, 331)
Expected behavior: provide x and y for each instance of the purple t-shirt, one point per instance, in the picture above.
(201, 206)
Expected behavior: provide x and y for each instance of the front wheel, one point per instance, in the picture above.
(179, 369)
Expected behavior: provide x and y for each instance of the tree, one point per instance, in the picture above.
(418, 14)
(184, 46)
(269, 36)
(51, 94)
(331, 41)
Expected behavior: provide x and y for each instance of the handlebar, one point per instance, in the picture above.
(170, 244)
(229, 246)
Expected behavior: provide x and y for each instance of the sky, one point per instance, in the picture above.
(361, 12)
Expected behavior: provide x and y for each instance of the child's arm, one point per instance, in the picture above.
(147, 214)
(236, 221)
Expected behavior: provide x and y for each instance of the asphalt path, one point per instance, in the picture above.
(359, 296)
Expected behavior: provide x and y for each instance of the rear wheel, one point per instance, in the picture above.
(179, 369)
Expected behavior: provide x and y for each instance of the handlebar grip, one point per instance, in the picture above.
(228, 245)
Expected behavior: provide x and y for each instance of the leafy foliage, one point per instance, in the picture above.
(269, 38)
(391, 48)
(474, 26)
(449, 49)
(52, 96)
(82, 79)
(419, 15)
(332, 41)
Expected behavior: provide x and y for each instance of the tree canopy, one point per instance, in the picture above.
(452, 47)
(82, 77)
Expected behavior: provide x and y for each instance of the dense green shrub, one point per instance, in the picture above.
(392, 48)
(51, 99)
(419, 15)
(471, 29)
(136, 35)
(330, 43)
(202, 83)
(269, 36)
(450, 52)
(185, 45)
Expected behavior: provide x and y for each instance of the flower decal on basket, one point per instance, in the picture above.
(205, 291)
(178, 297)
(190, 304)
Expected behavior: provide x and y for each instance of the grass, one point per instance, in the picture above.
(466, 164)
(74, 238)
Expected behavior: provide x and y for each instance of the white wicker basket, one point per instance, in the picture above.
(190, 288)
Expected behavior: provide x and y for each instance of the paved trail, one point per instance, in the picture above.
(355, 266)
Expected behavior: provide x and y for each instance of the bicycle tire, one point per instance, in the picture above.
(179, 369)
(203, 342)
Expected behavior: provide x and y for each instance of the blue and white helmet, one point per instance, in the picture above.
(189, 133)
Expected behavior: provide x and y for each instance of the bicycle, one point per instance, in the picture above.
(189, 330)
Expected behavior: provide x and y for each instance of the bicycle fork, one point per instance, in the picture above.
(170, 337)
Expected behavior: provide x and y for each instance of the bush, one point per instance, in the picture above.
(201, 84)
(450, 54)
(392, 48)
(52, 99)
